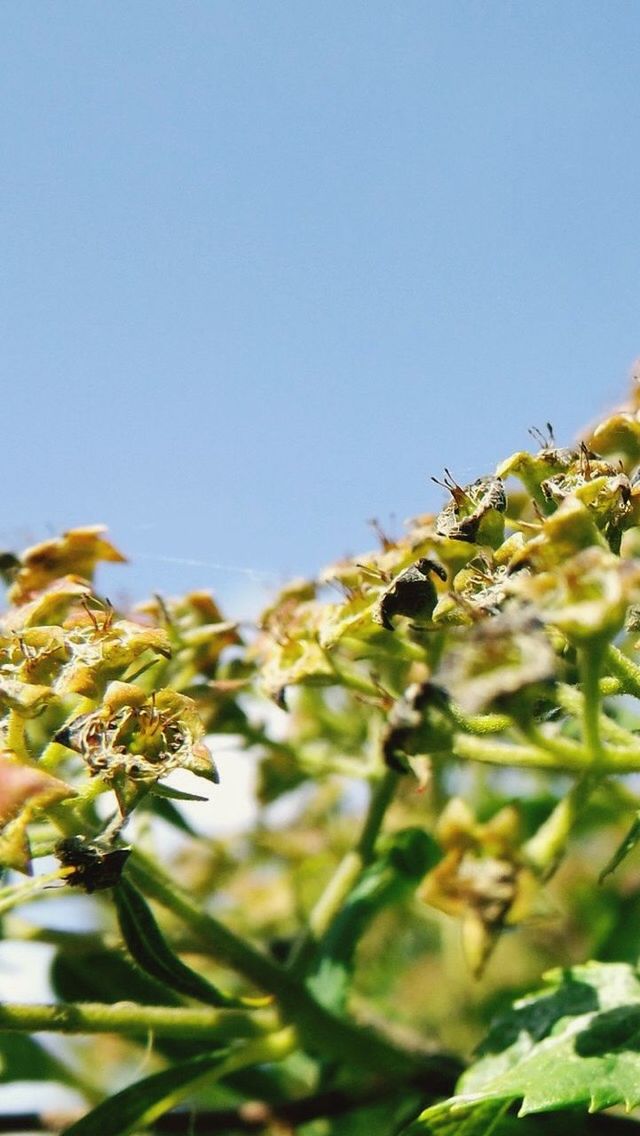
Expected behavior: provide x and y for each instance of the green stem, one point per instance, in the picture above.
(129, 1018)
(14, 895)
(545, 849)
(591, 659)
(617, 759)
(520, 756)
(624, 669)
(347, 873)
(320, 1030)
(17, 737)
(226, 946)
(563, 749)
(572, 700)
(261, 1051)
(381, 798)
(480, 723)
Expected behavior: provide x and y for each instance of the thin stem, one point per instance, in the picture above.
(346, 874)
(591, 659)
(14, 895)
(572, 700)
(480, 723)
(381, 798)
(129, 1018)
(616, 759)
(545, 849)
(16, 736)
(275, 1047)
(624, 669)
(225, 945)
(520, 756)
(320, 1029)
(564, 749)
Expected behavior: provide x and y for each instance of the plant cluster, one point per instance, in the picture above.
(452, 722)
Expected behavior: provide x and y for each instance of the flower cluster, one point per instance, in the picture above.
(493, 630)
(130, 696)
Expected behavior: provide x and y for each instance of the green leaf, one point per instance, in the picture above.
(23, 1059)
(161, 806)
(458, 1119)
(137, 1106)
(623, 850)
(104, 976)
(394, 875)
(575, 1045)
(151, 952)
(175, 794)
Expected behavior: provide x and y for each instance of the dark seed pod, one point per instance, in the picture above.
(419, 722)
(412, 593)
(474, 513)
(93, 867)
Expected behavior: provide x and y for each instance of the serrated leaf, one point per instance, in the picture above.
(137, 1106)
(574, 1045)
(151, 952)
(458, 1118)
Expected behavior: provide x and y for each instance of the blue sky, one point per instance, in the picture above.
(267, 266)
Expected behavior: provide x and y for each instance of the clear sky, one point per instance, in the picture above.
(266, 266)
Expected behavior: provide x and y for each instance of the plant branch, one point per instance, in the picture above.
(130, 1018)
(346, 874)
(545, 849)
(319, 1029)
(591, 659)
(624, 669)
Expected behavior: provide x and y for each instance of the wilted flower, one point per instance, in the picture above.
(481, 879)
(419, 723)
(75, 553)
(138, 737)
(24, 792)
(412, 593)
(587, 596)
(474, 513)
(498, 661)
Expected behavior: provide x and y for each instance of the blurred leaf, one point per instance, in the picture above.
(23, 1059)
(278, 773)
(150, 950)
(137, 1106)
(175, 794)
(106, 976)
(408, 857)
(623, 849)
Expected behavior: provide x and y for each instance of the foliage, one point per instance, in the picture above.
(470, 688)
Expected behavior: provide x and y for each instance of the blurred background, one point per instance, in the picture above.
(266, 268)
